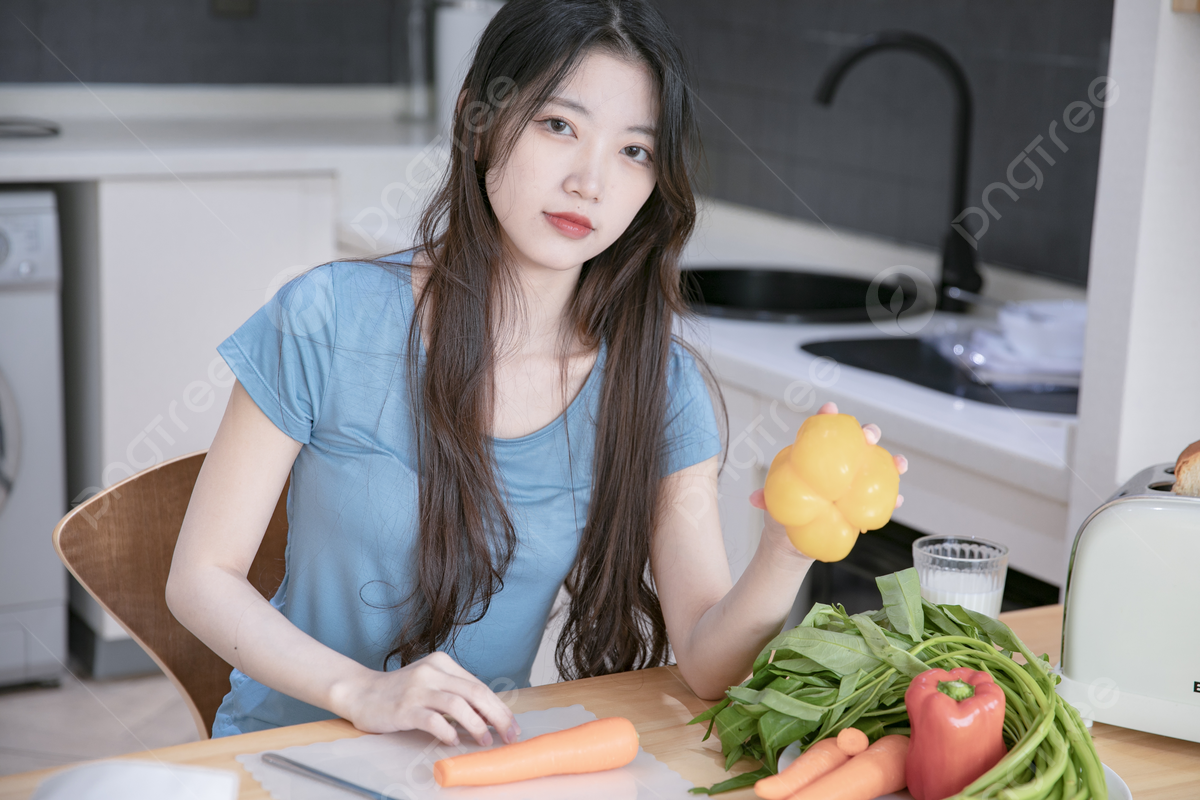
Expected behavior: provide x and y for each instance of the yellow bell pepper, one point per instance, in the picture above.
(830, 486)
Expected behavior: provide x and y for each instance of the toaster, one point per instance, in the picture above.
(1131, 642)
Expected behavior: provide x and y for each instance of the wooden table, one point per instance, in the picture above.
(660, 704)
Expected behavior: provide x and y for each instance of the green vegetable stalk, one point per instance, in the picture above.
(837, 670)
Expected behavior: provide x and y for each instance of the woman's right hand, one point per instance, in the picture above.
(417, 695)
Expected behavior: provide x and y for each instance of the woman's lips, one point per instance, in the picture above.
(567, 226)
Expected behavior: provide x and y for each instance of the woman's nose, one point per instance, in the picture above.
(586, 178)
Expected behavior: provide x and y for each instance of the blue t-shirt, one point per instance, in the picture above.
(325, 360)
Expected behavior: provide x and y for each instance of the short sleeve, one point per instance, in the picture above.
(284, 352)
(691, 424)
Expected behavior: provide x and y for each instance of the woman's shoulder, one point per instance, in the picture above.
(403, 272)
(397, 274)
(385, 276)
(682, 367)
(355, 299)
(691, 432)
(344, 276)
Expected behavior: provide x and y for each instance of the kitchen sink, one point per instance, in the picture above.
(919, 362)
(816, 297)
(791, 296)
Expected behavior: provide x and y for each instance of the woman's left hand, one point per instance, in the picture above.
(873, 434)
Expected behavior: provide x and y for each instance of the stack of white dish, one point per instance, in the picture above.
(1038, 344)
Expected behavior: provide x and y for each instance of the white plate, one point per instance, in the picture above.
(1117, 790)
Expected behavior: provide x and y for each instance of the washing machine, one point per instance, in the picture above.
(33, 494)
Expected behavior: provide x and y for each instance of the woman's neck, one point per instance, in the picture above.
(545, 294)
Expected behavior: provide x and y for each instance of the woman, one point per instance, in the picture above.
(502, 410)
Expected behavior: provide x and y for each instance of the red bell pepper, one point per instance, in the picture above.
(957, 721)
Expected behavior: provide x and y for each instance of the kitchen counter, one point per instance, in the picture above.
(381, 165)
(91, 148)
(660, 704)
(1028, 449)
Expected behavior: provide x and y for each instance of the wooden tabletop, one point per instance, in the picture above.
(660, 704)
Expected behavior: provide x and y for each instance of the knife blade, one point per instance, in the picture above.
(283, 762)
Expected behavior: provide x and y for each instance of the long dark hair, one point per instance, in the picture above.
(628, 297)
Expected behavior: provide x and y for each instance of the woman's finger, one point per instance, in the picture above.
(460, 681)
(488, 705)
(872, 432)
(901, 463)
(433, 722)
(456, 706)
(448, 665)
(899, 500)
(828, 408)
(757, 500)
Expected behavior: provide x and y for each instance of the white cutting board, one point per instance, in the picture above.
(400, 765)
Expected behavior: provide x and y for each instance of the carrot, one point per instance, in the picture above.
(593, 746)
(877, 770)
(819, 759)
(852, 741)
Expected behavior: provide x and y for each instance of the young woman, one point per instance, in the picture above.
(501, 411)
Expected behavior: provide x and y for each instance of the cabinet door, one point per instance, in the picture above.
(183, 263)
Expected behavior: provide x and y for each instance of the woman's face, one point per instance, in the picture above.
(588, 152)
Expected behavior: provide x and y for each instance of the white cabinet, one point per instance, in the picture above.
(182, 265)
(158, 271)
(749, 451)
(758, 430)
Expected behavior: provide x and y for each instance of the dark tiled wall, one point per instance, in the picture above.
(182, 41)
(878, 160)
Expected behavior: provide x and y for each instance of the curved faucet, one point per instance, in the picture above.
(958, 256)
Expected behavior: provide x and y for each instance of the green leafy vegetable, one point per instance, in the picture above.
(903, 603)
(885, 651)
(736, 782)
(839, 652)
(835, 670)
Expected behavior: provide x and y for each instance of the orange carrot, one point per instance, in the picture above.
(819, 759)
(593, 746)
(877, 770)
(852, 741)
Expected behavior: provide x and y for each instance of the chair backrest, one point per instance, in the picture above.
(119, 543)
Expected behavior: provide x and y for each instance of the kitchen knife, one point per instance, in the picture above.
(283, 762)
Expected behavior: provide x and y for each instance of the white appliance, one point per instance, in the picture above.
(33, 494)
(1130, 653)
(458, 24)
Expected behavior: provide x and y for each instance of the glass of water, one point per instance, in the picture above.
(962, 570)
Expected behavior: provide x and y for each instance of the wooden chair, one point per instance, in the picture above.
(118, 545)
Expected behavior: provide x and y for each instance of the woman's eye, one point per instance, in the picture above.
(637, 153)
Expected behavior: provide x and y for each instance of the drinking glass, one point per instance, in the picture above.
(962, 570)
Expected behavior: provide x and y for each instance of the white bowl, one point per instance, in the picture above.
(1045, 328)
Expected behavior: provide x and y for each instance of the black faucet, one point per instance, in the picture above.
(958, 257)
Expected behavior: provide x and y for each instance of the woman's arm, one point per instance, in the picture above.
(207, 591)
(717, 628)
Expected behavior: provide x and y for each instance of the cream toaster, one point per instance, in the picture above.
(1131, 638)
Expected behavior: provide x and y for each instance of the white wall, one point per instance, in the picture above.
(1140, 394)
